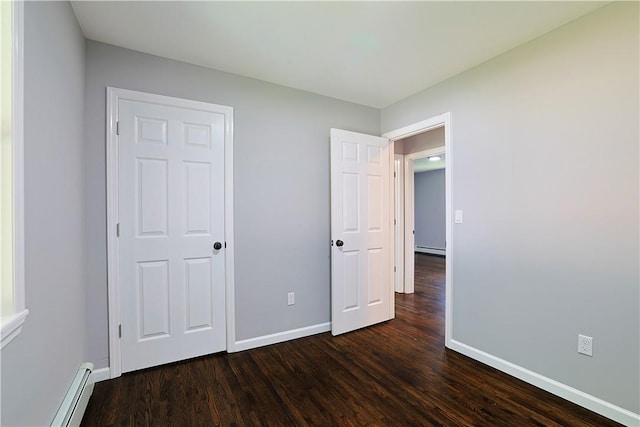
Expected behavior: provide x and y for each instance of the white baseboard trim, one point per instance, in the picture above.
(431, 251)
(100, 375)
(105, 373)
(571, 394)
(281, 337)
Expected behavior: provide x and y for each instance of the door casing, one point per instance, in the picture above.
(114, 95)
(399, 232)
(441, 120)
(408, 213)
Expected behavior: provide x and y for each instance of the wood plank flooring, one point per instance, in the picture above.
(394, 374)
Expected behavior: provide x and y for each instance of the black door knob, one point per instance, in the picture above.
(217, 246)
(339, 243)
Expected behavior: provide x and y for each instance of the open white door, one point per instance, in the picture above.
(361, 255)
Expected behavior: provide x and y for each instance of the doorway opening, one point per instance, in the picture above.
(414, 146)
(423, 157)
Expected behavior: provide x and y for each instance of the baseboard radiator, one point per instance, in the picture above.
(429, 250)
(75, 402)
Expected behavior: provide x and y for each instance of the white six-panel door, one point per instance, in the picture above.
(361, 280)
(171, 213)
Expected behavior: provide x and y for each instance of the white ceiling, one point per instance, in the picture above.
(370, 53)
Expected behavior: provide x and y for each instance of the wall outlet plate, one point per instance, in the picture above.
(291, 298)
(585, 345)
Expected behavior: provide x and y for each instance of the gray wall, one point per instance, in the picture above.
(429, 207)
(545, 167)
(39, 365)
(281, 186)
(420, 142)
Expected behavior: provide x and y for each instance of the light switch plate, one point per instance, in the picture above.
(458, 217)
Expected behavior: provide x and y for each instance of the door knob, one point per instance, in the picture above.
(339, 243)
(217, 246)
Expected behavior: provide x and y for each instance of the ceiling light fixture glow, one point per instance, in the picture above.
(434, 158)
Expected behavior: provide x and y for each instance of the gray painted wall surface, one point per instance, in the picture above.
(39, 365)
(545, 167)
(420, 142)
(429, 206)
(281, 186)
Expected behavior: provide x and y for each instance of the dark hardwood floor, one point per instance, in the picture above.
(394, 374)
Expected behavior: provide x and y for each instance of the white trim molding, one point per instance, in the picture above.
(282, 336)
(564, 391)
(101, 374)
(12, 325)
(114, 95)
(419, 127)
(398, 215)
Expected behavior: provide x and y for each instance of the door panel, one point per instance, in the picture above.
(361, 280)
(153, 290)
(199, 308)
(198, 198)
(151, 197)
(171, 211)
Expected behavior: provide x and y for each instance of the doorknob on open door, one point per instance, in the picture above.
(339, 243)
(217, 246)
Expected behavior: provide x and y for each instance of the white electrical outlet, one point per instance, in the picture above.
(291, 298)
(585, 345)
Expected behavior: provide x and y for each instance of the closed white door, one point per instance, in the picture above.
(361, 279)
(171, 214)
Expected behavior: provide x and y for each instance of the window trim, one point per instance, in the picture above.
(12, 325)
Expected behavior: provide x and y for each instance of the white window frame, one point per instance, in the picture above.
(12, 324)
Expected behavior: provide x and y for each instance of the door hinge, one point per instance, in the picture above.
(395, 222)
(394, 268)
(394, 174)
(120, 331)
(117, 128)
(117, 229)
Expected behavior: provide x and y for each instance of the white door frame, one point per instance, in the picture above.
(409, 215)
(114, 95)
(442, 120)
(398, 216)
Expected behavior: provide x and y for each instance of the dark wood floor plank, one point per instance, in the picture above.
(397, 373)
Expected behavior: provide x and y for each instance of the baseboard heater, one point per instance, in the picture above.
(428, 250)
(75, 402)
